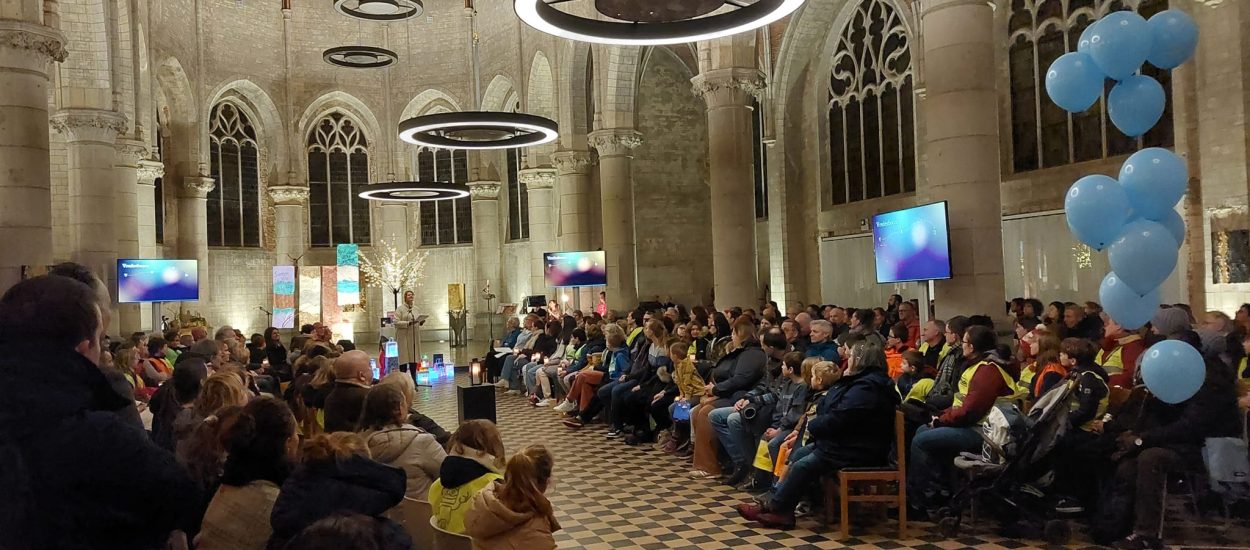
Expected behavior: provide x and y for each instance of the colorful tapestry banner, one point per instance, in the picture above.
(284, 296)
(348, 256)
(309, 294)
(331, 313)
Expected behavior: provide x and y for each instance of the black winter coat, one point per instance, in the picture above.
(854, 422)
(318, 489)
(72, 473)
(739, 371)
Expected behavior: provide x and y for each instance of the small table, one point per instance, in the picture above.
(475, 402)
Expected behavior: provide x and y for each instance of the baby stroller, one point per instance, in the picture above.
(1010, 477)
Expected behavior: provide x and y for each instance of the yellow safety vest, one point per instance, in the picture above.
(629, 340)
(1113, 361)
(924, 350)
(965, 381)
(1103, 404)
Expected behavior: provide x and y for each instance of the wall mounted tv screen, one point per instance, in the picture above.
(576, 269)
(912, 244)
(157, 281)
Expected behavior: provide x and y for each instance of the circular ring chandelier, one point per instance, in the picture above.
(414, 191)
(360, 57)
(478, 130)
(653, 22)
(379, 10)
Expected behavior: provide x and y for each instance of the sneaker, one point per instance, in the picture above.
(566, 406)
(512, 392)
(1139, 542)
(613, 433)
(543, 403)
(502, 384)
(804, 509)
(1067, 505)
(740, 475)
(572, 423)
(632, 440)
(533, 399)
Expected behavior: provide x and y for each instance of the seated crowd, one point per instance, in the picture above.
(254, 444)
(771, 402)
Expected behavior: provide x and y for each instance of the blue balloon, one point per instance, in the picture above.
(1175, 225)
(1155, 179)
(1120, 43)
(1174, 37)
(1082, 43)
(1096, 209)
(1130, 309)
(1144, 255)
(1073, 82)
(1135, 105)
(1173, 371)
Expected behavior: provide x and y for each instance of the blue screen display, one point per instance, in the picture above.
(576, 269)
(157, 281)
(912, 244)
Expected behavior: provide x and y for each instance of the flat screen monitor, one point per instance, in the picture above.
(152, 280)
(912, 244)
(576, 269)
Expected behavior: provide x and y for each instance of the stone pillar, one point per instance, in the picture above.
(728, 94)
(616, 187)
(539, 183)
(129, 153)
(573, 192)
(145, 191)
(288, 222)
(193, 225)
(94, 188)
(26, 49)
(486, 251)
(962, 150)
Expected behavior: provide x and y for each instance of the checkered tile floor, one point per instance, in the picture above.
(609, 495)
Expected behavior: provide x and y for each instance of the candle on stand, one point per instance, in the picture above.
(475, 373)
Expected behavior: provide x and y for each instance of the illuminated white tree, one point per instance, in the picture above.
(393, 270)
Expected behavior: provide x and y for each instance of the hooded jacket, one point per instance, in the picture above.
(411, 449)
(73, 474)
(854, 421)
(461, 477)
(321, 488)
(494, 526)
(739, 371)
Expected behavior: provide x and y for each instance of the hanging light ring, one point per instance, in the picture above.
(414, 191)
(542, 16)
(360, 57)
(380, 10)
(478, 130)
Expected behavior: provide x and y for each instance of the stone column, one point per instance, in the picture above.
(616, 187)
(145, 191)
(728, 94)
(539, 182)
(288, 222)
(94, 188)
(573, 192)
(193, 224)
(961, 149)
(26, 49)
(129, 154)
(486, 250)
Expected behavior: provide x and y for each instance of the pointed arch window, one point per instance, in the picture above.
(234, 203)
(445, 222)
(872, 142)
(338, 169)
(1044, 135)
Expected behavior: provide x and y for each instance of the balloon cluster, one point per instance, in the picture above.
(1134, 218)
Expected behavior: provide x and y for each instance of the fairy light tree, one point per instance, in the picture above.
(391, 269)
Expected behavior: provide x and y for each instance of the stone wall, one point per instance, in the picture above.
(671, 193)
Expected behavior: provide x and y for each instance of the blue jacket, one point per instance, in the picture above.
(509, 340)
(854, 422)
(583, 355)
(619, 360)
(827, 350)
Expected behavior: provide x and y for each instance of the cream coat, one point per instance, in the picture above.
(413, 450)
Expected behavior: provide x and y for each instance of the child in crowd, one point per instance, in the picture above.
(910, 370)
(514, 512)
(792, 404)
(475, 459)
(824, 375)
(686, 391)
(1046, 370)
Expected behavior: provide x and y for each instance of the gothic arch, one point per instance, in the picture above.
(261, 110)
(540, 92)
(356, 109)
(620, 85)
(181, 115)
(575, 94)
(429, 101)
(498, 93)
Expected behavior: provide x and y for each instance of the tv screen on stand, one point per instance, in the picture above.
(576, 269)
(912, 244)
(151, 280)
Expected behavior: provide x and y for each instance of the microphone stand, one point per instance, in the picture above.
(268, 316)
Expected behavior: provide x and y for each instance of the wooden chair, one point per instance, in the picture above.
(415, 516)
(446, 540)
(837, 493)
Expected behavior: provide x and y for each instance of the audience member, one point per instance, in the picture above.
(734, 375)
(349, 531)
(352, 377)
(910, 318)
(1119, 352)
(408, 386)
(393, 441)
(513, 513)
(1078, 324)
(475, 460)
(169, 400)
(822, 344)
(932, 346)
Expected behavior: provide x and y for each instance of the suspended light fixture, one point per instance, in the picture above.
(478, 129)
(654, 22)
(380, 10)
(360, 57)
(414, 191)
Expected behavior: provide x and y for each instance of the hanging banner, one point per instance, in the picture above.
(309, 295)
(284, 296)
(331, 312)
(348, 276)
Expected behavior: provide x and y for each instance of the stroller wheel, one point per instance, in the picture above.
(1058, 531)
(949, 527)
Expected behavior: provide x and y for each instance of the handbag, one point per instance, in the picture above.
(763, 460)
(681, 411)
(1228, 466)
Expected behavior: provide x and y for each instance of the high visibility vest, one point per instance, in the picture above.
(1113, 361)
(1041, 375)
(924, 350)
(965, 381)
(1103, 404)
